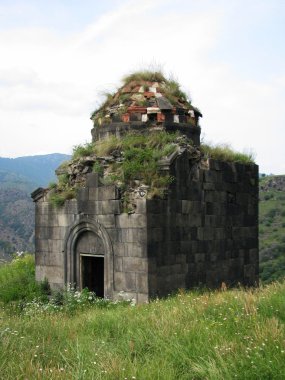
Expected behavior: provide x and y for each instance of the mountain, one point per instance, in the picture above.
(272, 228)
(38, 170)
(18, 178)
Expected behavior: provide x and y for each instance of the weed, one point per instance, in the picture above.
(82, 151)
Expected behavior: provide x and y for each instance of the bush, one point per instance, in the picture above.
(17, 281)
(82, 150)
(58, 198)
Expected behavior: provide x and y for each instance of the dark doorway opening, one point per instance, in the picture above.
(92, 274)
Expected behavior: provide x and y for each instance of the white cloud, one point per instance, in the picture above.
(49, 83)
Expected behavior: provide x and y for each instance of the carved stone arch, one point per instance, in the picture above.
(83, 225)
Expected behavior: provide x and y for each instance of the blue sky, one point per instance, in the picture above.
(57, 57)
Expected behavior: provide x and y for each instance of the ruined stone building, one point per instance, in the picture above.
(201, 230)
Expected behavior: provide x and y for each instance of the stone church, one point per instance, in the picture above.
(203, 231)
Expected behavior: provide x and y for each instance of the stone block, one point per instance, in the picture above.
(214, 165)
(131, 220)
(253, 256)
(140, 206)
(125, 281)
(134, 264)
(212, 176)
(133, 235)
(71, 206)
(194, 220)
(142, 282)
(179, 281)
(156, 234)
(199, 257)
(113, 234)
(108, 221)
(205, 233)
(215, 196)
(216, 208)
(194, 194)
(118, 264)
(142, 298)
(156, 206)
(152, 284)
(92, 180)
(53, 273)
(209, 186)
(55, 246)
(180, 259)
(215, 220)
(193, 207)
(64, 220)
(164, 270)
(219, 233)
(137, 249)
(93, 194)
(82, 194)
(107, 193)
(120, 249)
(111, 207)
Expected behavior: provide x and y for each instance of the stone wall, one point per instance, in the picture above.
(203, 234)
(119, 129)
(51, 226)
(101, 206)
(206, 232)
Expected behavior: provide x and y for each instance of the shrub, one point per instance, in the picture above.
(17, 281)
(58, 198)
(82, 150)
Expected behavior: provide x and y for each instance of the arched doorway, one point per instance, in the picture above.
(90, 253)
(89, 257)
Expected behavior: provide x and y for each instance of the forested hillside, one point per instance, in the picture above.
(272, 228)
(18, 178)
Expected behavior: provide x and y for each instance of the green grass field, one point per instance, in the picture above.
(234, 334)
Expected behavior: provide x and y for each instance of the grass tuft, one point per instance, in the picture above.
(224, 152)
(145, 75)
(82, 151)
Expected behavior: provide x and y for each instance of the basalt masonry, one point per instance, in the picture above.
(204, 234)
(201, 230)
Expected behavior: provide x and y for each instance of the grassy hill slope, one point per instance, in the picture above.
(234, 334)
(272, 228)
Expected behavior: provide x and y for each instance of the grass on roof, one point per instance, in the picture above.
(145, 75)
(224, 152)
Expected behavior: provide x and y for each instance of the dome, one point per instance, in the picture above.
(147, 100)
